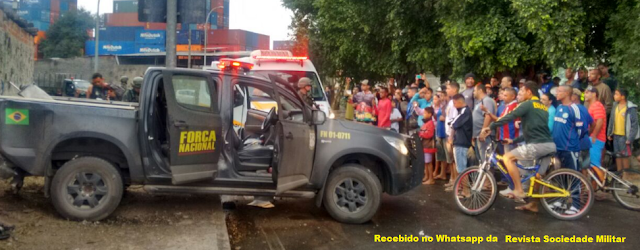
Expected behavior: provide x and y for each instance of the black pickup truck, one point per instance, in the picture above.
(180, 138)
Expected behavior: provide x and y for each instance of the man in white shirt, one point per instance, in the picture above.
(451, 113)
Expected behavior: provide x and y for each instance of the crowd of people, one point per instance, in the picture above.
(531, 119)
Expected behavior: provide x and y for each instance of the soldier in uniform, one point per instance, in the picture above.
(304, 90)
(133, 94)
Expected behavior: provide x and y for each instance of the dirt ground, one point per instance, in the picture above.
(142, 221)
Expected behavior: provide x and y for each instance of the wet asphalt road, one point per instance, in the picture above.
(298, 224)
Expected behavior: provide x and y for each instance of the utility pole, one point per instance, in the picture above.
(96, 59)
(207, 25)
(172, 18)
(189, 60)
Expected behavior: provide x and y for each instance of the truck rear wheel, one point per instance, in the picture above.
(353, 194)
(86, 188)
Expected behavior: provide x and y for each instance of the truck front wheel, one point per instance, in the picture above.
(353, 194)
(86, 188)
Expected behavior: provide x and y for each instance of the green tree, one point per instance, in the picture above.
(67, 36)
(624, 32)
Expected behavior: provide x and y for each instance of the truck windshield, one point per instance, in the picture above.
(317, 92)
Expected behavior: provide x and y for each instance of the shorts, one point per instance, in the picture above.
(428, 157)
(568, 159)
(460, 154)
(448, 150)
(527, 153)
(620, 147)
(533, 151)
(595, 153)
(441, 152)
(585, 159)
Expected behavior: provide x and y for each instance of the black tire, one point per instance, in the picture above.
(628, 199)
(86, 188)
(484, 200)
(559, 207)
(340, 198)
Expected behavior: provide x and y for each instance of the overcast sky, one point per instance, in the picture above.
(261, 16)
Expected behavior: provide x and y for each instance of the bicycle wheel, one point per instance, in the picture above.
(577, 204)
(628, 196)
(475, 202)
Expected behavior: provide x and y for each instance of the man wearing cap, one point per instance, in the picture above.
(133, 94)
(469, 81)
(304, 90)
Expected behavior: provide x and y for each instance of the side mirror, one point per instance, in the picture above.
(319, 117)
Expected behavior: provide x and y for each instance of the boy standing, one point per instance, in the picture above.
(427, 133)
(624, 128)
(463, 126)
(451, 113)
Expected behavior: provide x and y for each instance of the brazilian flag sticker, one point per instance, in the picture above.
(17, 116)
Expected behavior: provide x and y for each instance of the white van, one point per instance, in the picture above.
(283, 64)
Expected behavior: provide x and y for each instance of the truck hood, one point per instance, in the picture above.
(365, 128)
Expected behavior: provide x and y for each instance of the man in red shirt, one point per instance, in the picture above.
(385, 107)
(597, 130)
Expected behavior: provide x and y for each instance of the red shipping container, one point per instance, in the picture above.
(53, 17)
(263, 42)
(217, 36)
(159, 26)
(124, 20)
(55, 6)
(238, 37)
(226, 48)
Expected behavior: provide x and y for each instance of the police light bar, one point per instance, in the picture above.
(286, 58)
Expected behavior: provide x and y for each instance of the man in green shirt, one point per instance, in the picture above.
(534, 132)
(607, 78)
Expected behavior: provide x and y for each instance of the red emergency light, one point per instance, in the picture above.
(234, 65)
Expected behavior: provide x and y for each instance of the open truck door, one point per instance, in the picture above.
(194, 126)
(294, 148)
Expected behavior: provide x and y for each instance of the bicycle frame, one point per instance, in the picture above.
(607, 173)
(494, 162)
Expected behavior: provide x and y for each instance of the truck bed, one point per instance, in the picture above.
(32, 129)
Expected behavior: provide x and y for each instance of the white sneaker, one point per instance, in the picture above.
(572, 211)
(557, 204)
(506, 192)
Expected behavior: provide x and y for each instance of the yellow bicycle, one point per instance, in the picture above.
(564, 193)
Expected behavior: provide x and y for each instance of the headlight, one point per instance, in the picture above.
(332, 115)
(398, 144)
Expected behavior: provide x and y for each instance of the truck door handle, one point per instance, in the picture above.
(180, 124)
(289, 136)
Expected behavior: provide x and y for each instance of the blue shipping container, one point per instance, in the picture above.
(110, 48)
(43, 26)
(64, 7)
(35, 4)
(251, 39)
(119, 33)
(182, 37)
(149, 48)
(150, 37)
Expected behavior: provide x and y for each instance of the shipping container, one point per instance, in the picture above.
(225, 48)
(54, 16)
(263, 42)
(124, 20)
(251, 39)
(159, 26)
(197, 37)
(119, 33)
(64, 7)
(185, 48)
(44, 26)
(35, 4)
(55, 6)
(125, 6)
(110, 48)
(237, 37)
(149, 48)
(150, 36)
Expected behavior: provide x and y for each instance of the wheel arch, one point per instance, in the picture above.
(94, 144)
(375, 162)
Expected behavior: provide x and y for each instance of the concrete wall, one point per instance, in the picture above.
(16, 55)
(82, 68)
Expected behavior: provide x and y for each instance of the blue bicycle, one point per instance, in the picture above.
(564, 193)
